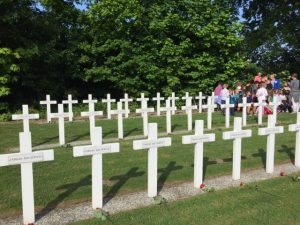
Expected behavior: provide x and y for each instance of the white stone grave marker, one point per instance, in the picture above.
(213, 100)
(270, 131)
(227, 107)
(61, 122)
(142, 99)
(91, 113)
(260, 104)
(126, 101)
(96, 150)
(200, 97)
(108, 101)
(152, 143)
(296, 127)
(173, 98)
(189, 110)
(198, 139)
(237, 134)
(48, 103)
(25, 158)
(158, 99)
(120, 113)
(209, 106)
(144, 110)
(168, 109)
(70, 102)
(275, 105)
(186, 97)
(25, 116)
(244, 105)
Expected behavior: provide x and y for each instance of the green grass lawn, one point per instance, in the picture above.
(273, 202)
(67, 180)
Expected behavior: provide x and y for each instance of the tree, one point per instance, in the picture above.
(271, 33)
(163, 46)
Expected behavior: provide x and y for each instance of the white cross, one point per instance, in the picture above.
(120, 113)
(61, 122)
(227, 107)
(186, 97)
(144, 111)
(90, 100)
(260, 104)
(198, 139)
(126, 101)
(200, 98)
(142, 98)
(270, 131)
(25, 158)
(168, 109)
(244, 105)
(158, 99)
(209, 106)
(189, 110)
(70, 102)
(173, 98)
(48, 102)
(296, 127)
(91, 113)
(96, 150)
(25, 116)
(152, 143)
(275, 105)
(108, 101)
(237, 134)
(213, 100)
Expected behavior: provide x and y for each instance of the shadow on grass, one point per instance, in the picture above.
(105, 134)
(121, 180)
(45, 141)
(69, 189)
(131, 131)
(174, 127)
(227, 160)
(262, 154)
(165, 173)
(288, 151)
(206, 163)
(77, 137)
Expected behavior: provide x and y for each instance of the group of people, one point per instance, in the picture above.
(265, 88)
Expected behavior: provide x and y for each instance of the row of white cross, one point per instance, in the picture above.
(26, 157)
(144, 110)
(48, 102)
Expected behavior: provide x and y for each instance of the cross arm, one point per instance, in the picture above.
(32, 157)
(146, 144)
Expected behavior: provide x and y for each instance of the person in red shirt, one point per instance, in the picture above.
(217, 93)
(257, 78)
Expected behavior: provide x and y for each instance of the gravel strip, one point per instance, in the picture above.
(140, 199)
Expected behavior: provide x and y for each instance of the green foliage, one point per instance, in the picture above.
(271, 34)
(161, 45)
(8, 69)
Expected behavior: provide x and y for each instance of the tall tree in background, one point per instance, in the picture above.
(38, 38)
(272, 31)
(161, 45)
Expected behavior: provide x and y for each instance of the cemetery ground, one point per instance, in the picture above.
(274, 201)
(67, 180)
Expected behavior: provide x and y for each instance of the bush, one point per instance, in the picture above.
(5, 117)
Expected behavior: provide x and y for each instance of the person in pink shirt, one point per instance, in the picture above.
(217, 93)
(257, 78)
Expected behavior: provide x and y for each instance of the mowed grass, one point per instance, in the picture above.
(273, 202)
(67, 179)
(79, 130)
